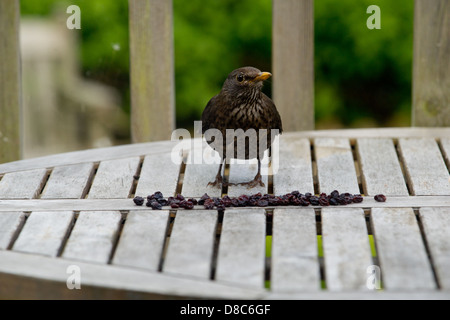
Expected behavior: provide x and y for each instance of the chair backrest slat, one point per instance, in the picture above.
(10, 82)
(151, 70)
(293, 62)
(431, 64)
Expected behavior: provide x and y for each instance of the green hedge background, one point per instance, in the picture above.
(362, 76)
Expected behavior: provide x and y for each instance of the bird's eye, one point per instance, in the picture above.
(240, 77)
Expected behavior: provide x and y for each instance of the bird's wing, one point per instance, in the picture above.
(275, 119)
(209, 114)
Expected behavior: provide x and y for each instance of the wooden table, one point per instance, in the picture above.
(69, 219)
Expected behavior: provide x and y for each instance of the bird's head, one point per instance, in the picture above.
(247, 79)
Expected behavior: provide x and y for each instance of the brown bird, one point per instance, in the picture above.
(241, 105)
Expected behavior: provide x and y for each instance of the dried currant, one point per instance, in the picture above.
(139, 201)
(262, 203)
(155, 205)
(179, 197)
(334, 194)
(323, 201)
(334, 201)
(209, 204)
(158, 195)
(203, 198)
(314, 200)
(189, 205)
(380, 198)
(357, 198)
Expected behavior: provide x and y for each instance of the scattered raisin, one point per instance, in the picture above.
(262, 203)
(155, 205)
(380, 198)
(156, 200)
(189, 205)
(139, 201)
(203, 198)
(334, 201)
(314, 200)
(209, 203)
(334, 194)
(323, 201)
(158, 195)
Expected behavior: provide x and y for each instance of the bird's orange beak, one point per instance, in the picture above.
(262, 76)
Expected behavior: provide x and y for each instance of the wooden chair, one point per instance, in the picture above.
(152, 69)
(64, 213)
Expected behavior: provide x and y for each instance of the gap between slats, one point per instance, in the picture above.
(427, 247)
(444, 148)
(402, 167)
(91, 180)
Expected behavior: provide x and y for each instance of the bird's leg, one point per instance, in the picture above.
(256, 181)
(218, 181)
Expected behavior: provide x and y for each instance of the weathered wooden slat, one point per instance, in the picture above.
(22, 184)
(191, 243)
(346, 248)
(403, 259)
(335, 165)
(391, 133)
(293, 62)
(380, 168)
(44, 232)
(198, 175)
(10, 82)
(142, 239)
(127, 204)
(151, 70)
(48, 281)
(93, 236)
(361, 295)
(159, 173)
(244, 172)
(295, 265)
(295, 169)
(10, 223)
(68, 182)
(431, 65)
(89, 155)
(114, 178)
(242, 248)
(436, 225)
(425, 168)
(28, 276)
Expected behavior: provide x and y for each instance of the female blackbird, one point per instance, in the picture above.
(249, 113)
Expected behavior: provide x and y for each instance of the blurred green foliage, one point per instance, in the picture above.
(362, 76)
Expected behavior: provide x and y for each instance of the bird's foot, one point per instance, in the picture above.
(216, 183)
(253, 183)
